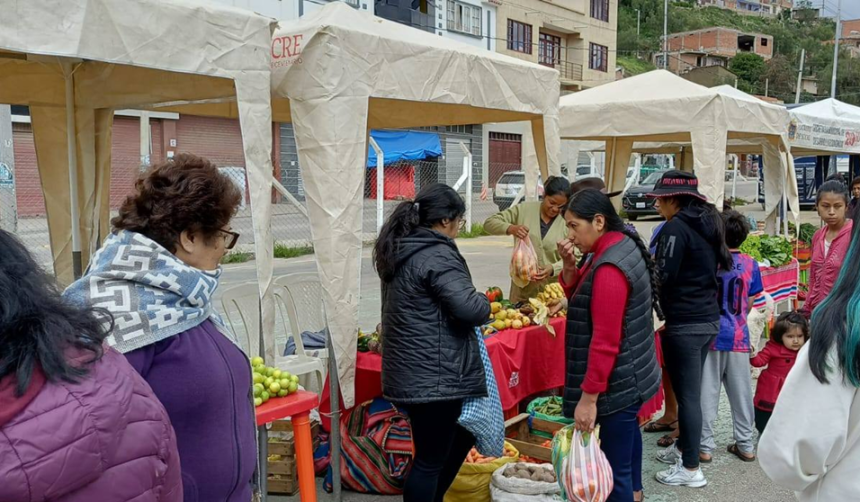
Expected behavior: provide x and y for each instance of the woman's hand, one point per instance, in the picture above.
(585, 415)
(519, 231)
(556, 306)
(544, 273)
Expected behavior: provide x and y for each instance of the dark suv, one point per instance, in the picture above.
(635, 202)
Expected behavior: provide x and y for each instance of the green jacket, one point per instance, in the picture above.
(528, 214)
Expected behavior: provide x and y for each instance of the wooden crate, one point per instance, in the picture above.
(520, 435)
(283, 476)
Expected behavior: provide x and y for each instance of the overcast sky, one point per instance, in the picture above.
(850, 8)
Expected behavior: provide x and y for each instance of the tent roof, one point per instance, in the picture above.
(659, 106)
(824, 128)
(338, 51)
(149, 36)
(404, 145)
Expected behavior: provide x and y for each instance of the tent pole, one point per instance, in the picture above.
(71, 140)
(734, 177)
(334, 397)
(467, 169)
(380, 184)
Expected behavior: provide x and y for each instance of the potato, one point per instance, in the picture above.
(523, 475)
(548, 478)
(538, 476)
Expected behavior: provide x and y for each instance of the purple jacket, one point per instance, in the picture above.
(204, 382)
(105, 439)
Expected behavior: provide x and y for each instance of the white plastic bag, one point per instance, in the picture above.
(504, 489)
(580, 465)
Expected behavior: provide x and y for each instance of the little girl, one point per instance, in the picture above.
(788, 336)
(830, 244)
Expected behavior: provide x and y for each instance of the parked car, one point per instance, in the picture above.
(635, 202)
(509, 185)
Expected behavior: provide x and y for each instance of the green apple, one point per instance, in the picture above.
(257, 361)
(268, 381)
(294, 387)
(264, 396)
(258, 378)
(258, 389)
(283, 393)
(294, 378)
(258, 401)
(274, 388)
(270, 371)
(277, 374)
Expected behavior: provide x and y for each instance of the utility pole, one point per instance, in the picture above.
(766, 86)
(8, 203)
(800, 76)
(638, 24)
(666, 34)
(145, 140)
(836, 48)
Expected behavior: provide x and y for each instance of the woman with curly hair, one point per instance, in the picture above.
(156, 274)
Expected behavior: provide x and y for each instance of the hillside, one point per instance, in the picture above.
(790, 36)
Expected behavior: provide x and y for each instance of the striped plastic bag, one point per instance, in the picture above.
(580, 466)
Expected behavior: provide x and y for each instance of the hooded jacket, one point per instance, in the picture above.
(429, 313)
(825, 267)
(687, 258)
(106, 439)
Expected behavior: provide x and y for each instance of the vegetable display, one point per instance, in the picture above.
(476, 458)
(807, 231)
(271, 382)
(531, 472)
(495, 294)
(369, 342)
(551, 407)
(771, 250)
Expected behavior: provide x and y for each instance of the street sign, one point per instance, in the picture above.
(5, 175)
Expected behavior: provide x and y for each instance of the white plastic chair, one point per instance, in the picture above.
(303, 303)
(241, 308)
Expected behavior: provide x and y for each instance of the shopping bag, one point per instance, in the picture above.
(483, 416)
(580, 466)
(473, 481)
(524, 264)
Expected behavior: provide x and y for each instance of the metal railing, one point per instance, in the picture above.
(569, 71)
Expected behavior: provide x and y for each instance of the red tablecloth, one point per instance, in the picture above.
(780, 283)
(525, 362)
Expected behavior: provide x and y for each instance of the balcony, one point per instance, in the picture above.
(569, 71)
(406, 12)
(423, 21)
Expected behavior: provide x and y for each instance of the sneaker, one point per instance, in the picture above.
(678, 475)
(669, 456)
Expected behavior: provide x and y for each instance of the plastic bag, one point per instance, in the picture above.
(580, 466)
(505, 489)
(483, 416)
(472, 483)
(523, 263)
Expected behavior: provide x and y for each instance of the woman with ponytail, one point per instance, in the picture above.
(431, 360)
(812, 441)
(611, 360)
(690, 249)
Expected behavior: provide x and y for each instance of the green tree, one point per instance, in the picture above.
(749, 68)
(780, 78)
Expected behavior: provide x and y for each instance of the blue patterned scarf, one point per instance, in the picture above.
(151, 293)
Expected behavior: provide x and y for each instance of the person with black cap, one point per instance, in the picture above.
(690, 249)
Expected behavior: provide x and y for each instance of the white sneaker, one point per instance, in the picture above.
(669, 456)
(678, 475)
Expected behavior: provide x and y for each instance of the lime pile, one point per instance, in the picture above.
(271, 382)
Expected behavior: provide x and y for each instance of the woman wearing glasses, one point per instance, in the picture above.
(539, 222)
(156, 274)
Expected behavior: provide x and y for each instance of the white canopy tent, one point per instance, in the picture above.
(660, 112)
(825, 127)
(74, 62)
(339, 72)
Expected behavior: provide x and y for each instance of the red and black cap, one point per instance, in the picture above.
(676, 183)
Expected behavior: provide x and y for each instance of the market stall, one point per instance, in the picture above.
(525, 362)
(338, 73)
(664, 113)
(824, 128)
(75, 62)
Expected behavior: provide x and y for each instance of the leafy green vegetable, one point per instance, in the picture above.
(771, 248)
(807, 231)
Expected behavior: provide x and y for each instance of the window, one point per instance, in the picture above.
(519, 37)
(599, 57)
(464, 18)
(460, 129)
(764, 42)
(549, 50)
(600, 10)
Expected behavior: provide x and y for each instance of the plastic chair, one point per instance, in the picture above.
(303, 303)
(241, 308)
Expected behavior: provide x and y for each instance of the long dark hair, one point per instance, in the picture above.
(37, 326)
(588, 203)
(434, 203)
(836, 320)
(711, 220)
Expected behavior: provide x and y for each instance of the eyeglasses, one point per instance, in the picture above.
(230, 238)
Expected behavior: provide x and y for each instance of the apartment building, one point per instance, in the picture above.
(767, 8)
(712, 47)
(851, 37)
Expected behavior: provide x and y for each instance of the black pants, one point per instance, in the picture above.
(685, 353)
(441, 446)
(761, 419)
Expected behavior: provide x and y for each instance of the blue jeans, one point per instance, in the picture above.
(621, 442)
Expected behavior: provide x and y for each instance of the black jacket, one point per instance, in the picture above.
(687, 258)
(636, 376)
(429, 313)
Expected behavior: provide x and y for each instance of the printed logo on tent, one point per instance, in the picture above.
(515, 380)
(286, 51)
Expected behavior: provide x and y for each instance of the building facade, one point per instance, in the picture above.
(712, 47)
(768, 8)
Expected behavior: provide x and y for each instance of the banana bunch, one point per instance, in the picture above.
(551, 292)
(541, 314)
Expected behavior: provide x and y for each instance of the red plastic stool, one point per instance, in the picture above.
(297, 407)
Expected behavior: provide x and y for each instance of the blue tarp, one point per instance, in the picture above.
(404, 145)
